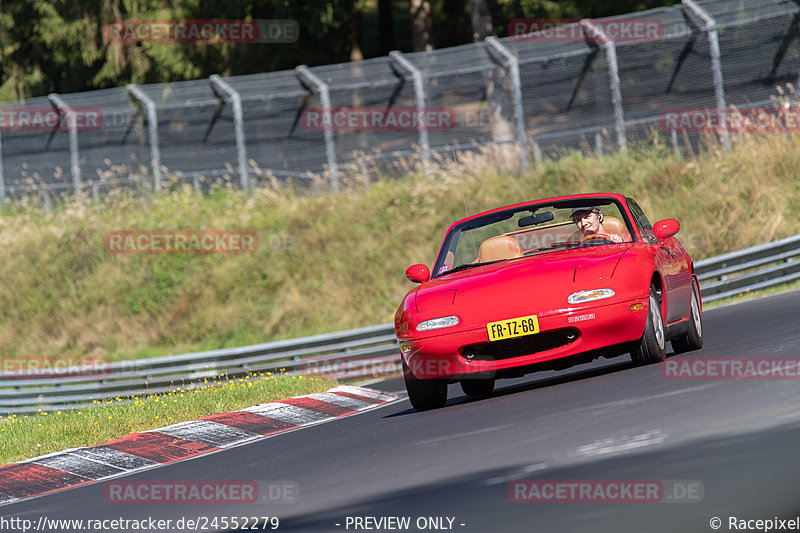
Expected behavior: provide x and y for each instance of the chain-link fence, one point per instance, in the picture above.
(538, 94)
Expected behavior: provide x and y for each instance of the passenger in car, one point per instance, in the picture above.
(590, 221)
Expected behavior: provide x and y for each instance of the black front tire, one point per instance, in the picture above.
(652, 347)
(477, 387)
(424, 394)
(693, 338)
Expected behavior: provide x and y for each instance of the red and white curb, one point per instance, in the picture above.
(139, 451)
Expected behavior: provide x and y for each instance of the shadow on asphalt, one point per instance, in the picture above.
(745, 476)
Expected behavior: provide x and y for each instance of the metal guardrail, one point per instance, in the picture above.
(762, 266)
(360, 352)
(357, 353)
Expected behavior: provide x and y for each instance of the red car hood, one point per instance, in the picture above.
(535, 284)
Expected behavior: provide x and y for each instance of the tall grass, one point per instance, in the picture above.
(333, 261)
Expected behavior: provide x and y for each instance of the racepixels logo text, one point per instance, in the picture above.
(201, 31)
(377, 119)
(570, 30)
(50, 119)
(757, 524)
(752, 120)
(180, 242)
(605, 491)
(199, 492)
(731, 368)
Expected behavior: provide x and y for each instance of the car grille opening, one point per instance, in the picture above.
(527, 345)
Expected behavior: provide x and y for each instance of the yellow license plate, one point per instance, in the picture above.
(513, 327)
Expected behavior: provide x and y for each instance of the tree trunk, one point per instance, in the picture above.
(481, 19)
(421, 25)
(386, 26)
(457, 30)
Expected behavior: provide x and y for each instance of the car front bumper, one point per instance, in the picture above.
(468, 353)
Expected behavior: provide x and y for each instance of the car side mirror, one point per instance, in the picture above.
(418, 273)
(664, 229)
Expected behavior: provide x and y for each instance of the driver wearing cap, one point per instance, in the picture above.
(590, 222)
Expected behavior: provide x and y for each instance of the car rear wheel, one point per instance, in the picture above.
(693, 338)
(424, 394)
(652, 347)
(478, 386)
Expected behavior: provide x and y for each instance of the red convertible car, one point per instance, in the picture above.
(545, 285)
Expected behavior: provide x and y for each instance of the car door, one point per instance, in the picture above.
(672, 261)
(677, 278)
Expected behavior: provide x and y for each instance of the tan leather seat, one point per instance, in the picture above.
(615, 226)
(499, 248)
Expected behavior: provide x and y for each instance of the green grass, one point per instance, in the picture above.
(52, 430)
(333, 261)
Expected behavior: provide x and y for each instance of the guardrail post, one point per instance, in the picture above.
(512, 63)
(218, 84)
(613, 73)
(309, 78)
(72, 124)
(710, 29)
(2, 176)
(152, 127)
(419, 95)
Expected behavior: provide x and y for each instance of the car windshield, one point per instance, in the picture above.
(532, 230)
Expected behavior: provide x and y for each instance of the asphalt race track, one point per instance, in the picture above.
(733, 443)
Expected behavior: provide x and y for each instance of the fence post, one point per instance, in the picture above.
(512, 62)
(309, 78)
(596, 32)
(152, 127)
(598, 143)
(675, 148)
(419, 94)
(537, 150)
(72, 124)
(218, 83)
(710, 29)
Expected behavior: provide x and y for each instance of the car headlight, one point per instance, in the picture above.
(436, 323)
(589, 296)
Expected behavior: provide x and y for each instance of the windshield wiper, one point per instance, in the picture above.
(467, 266)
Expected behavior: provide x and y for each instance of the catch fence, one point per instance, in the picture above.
(533, 94)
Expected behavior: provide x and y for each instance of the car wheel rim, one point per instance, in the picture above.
(696, 314)
(658, 326)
